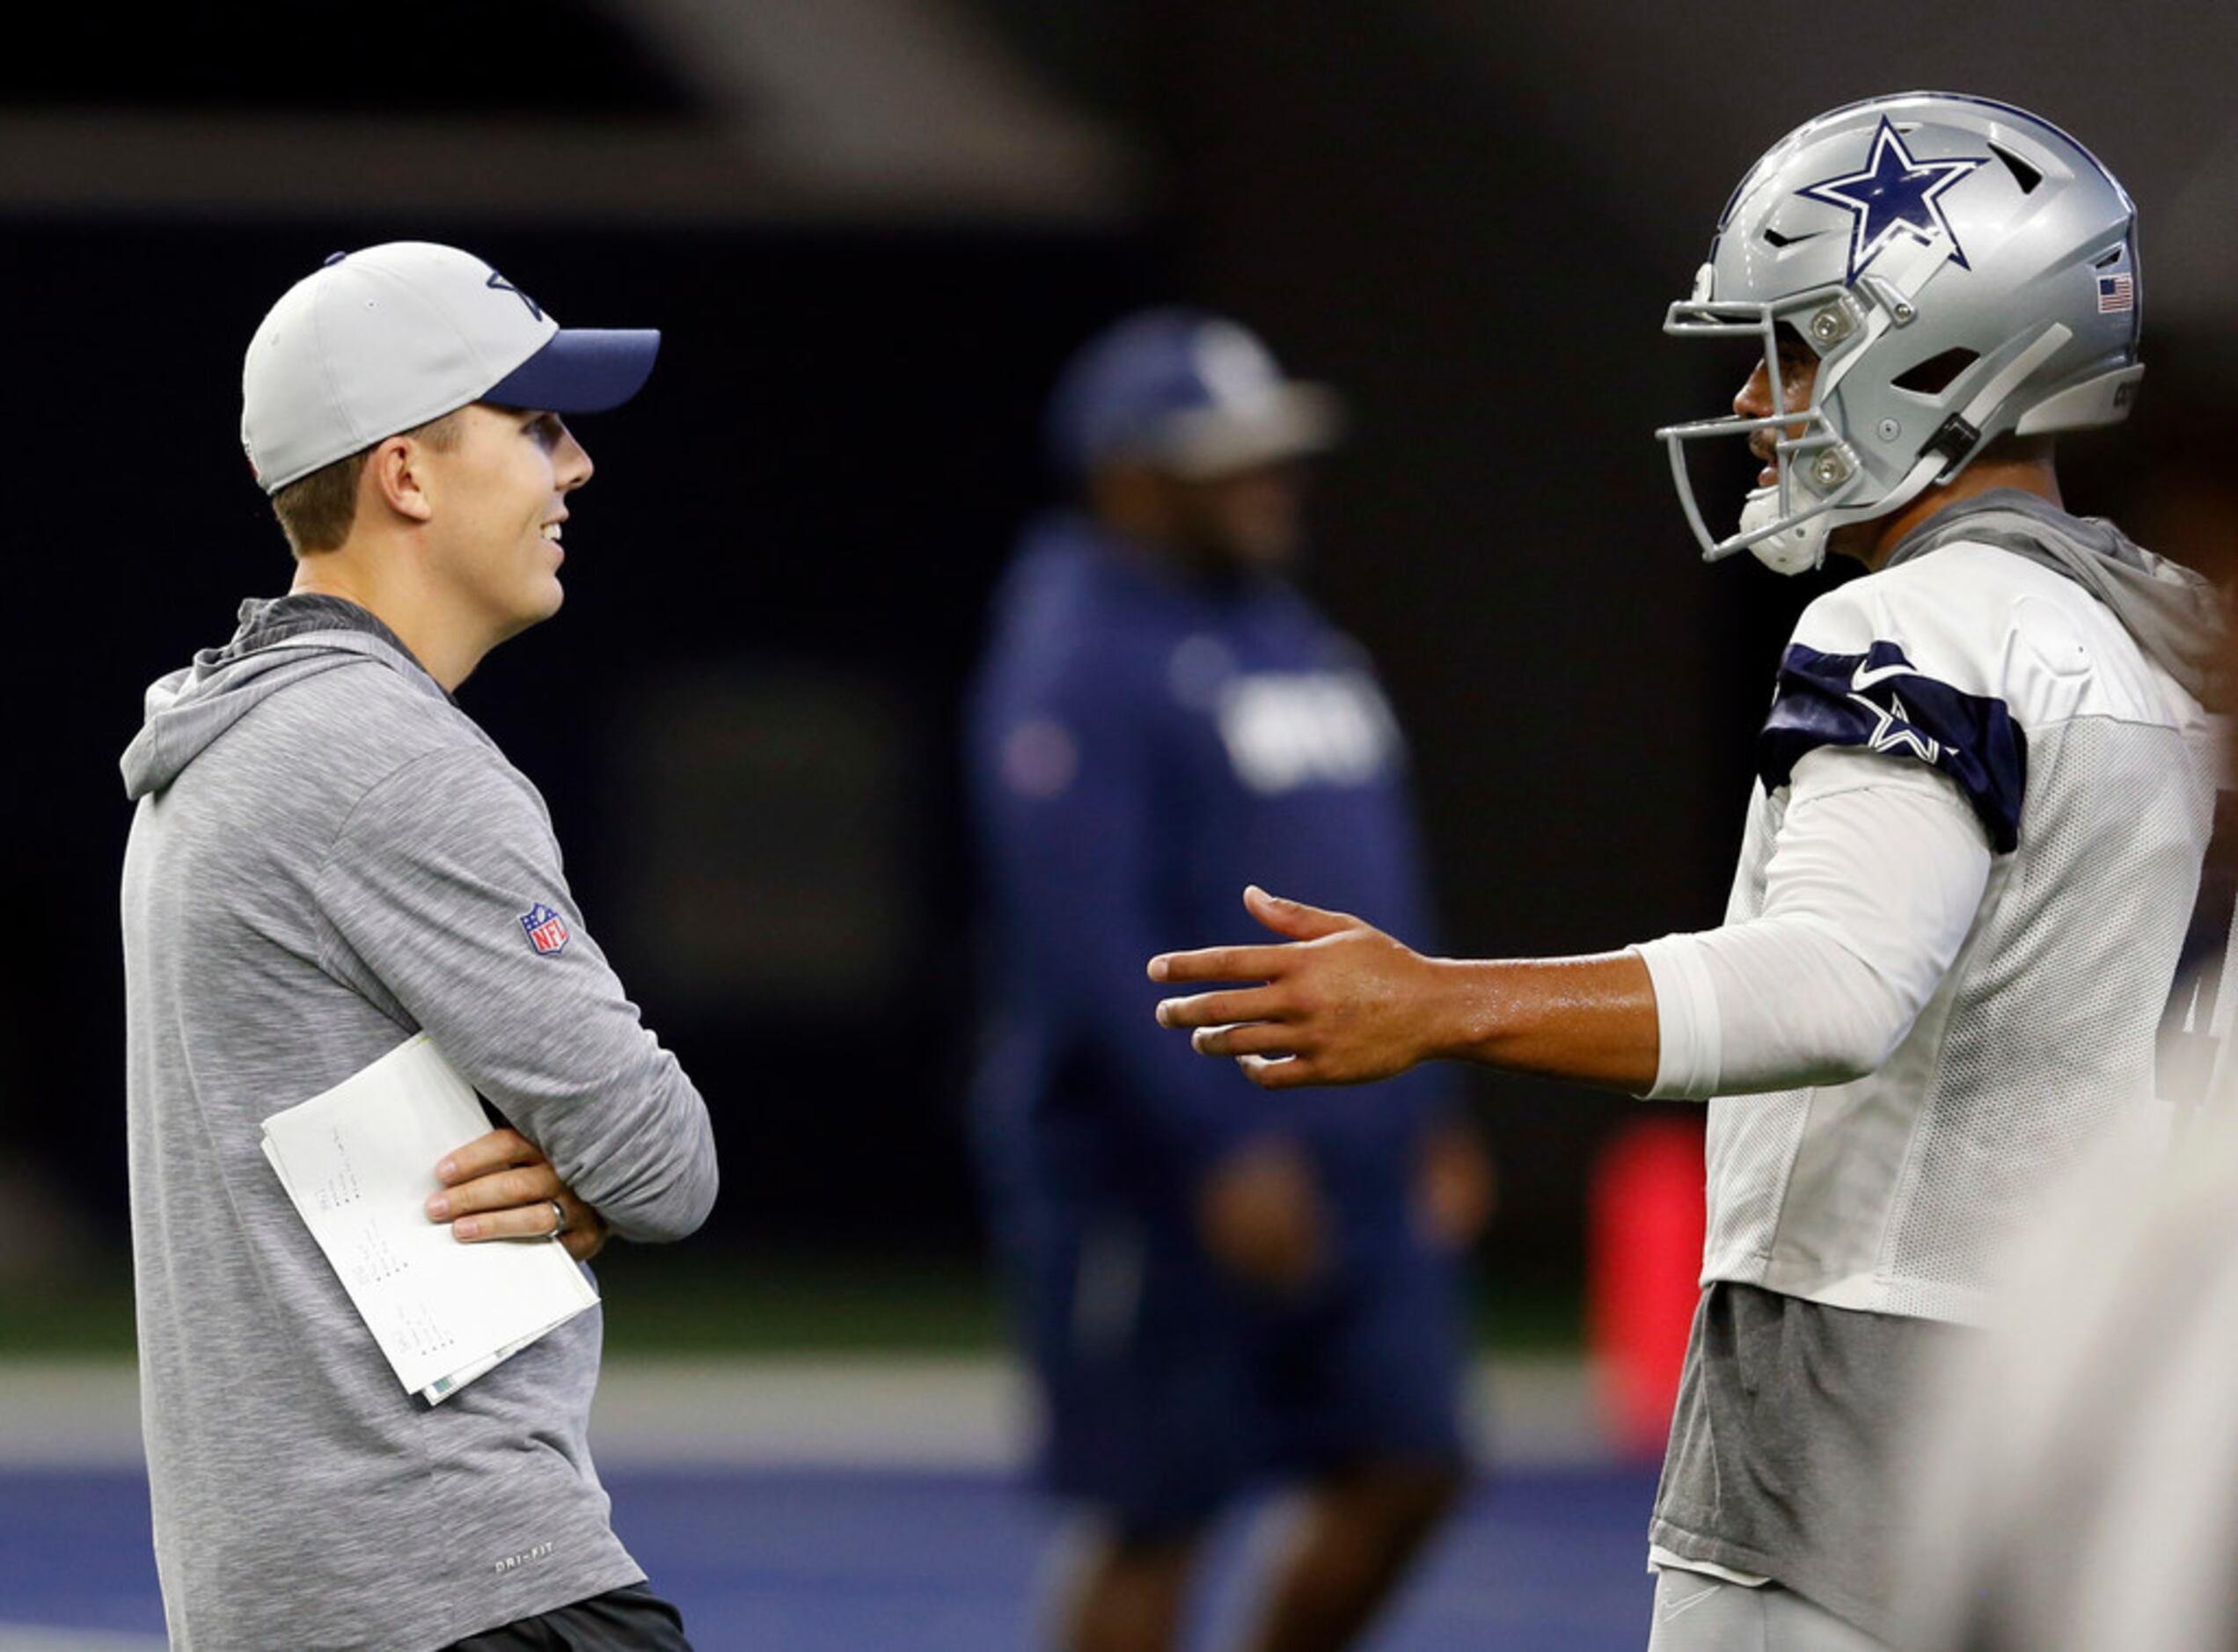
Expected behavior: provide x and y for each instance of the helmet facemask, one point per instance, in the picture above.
(1786, 523)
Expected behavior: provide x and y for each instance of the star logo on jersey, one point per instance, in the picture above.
(1893, 198)
(1892, 730)
(546, 929)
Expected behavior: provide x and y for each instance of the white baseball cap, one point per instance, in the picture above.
(386, 339)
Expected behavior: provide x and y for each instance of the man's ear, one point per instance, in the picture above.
(396, 479)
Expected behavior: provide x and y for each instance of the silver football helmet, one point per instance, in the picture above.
(1961, 269)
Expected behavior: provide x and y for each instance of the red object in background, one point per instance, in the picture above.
(1643, 1257)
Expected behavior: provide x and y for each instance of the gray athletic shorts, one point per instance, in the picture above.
(1695, 1613)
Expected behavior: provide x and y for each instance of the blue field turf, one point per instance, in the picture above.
(843, 1562)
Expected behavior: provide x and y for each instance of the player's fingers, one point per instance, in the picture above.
(516, 1222)
(1253, 1039)
(1295, 918)
(1219, 963)
(1217, 1009)
(586, 1232)
(1277, 1072)
(500, 1191)
(497, 1151)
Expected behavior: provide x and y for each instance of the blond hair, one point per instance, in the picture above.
(317, 511)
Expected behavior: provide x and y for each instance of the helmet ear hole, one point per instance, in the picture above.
(1937, 373)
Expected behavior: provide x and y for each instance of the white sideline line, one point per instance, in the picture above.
(69, 1414)
(961, 1413)
(31, 1638)
(958, 1413)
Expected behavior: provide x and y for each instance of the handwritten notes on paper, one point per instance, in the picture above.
(359, 1162)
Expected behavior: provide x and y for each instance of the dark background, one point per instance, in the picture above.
(870, 229)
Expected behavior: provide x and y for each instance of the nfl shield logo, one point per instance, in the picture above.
(546, 929)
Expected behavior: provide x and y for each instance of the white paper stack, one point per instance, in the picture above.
(359, 1161)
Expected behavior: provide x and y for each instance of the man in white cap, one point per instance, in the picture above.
(1216, 1293)
(329, 856)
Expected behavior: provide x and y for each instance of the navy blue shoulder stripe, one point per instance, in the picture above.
(1877, 699)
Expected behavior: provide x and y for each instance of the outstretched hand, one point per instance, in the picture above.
(1341, 1003)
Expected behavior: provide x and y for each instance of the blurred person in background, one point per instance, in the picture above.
(329, 856)
(1214, 1291)
(1985, 788)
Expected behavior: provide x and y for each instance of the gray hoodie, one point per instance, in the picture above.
(2173, 613)
(328, 857)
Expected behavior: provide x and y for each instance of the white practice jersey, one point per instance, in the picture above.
(2092, 772)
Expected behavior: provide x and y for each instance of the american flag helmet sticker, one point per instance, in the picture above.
(546, 929)
(2116, 293)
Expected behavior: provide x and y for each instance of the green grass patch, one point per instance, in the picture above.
(717, 1304)
(746, 1304)
(87, 1315)
(760, 1305)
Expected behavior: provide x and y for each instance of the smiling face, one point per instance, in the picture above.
(499, 496)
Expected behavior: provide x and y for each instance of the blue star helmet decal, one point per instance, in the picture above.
(1895, 195)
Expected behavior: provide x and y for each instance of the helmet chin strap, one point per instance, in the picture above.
(1796, 550)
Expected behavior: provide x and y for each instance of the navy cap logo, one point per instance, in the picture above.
(504, 286)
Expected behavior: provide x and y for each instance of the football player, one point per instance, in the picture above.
(1969, 865)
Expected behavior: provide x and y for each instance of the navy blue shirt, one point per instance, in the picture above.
(1142, 745)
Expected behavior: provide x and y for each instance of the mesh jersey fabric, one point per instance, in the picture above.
(2093, 769)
